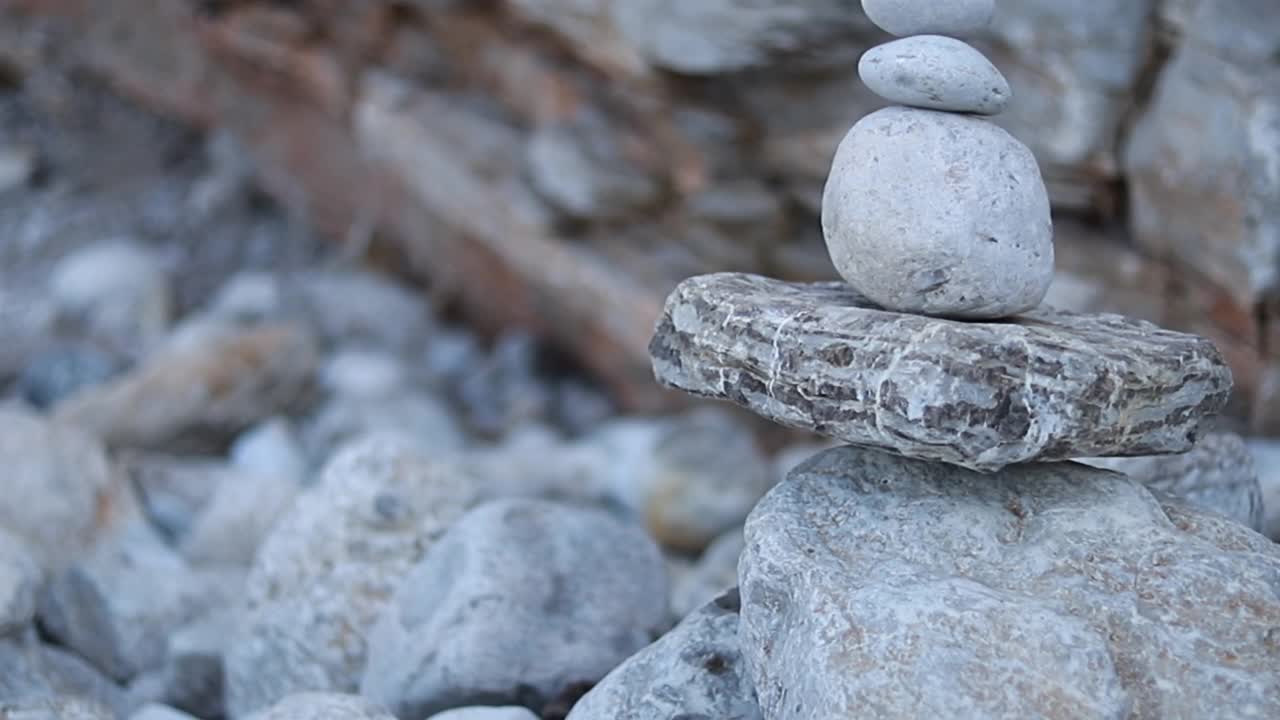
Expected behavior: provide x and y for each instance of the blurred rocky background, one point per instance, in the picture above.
(293, 290)
(559, 164)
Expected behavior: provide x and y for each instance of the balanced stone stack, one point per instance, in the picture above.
(945, 562)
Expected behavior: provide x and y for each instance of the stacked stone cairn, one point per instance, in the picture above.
(949, 561)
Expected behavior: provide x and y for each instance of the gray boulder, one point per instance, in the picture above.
(1045, 590)
(938, 214)
(1218, 475)
(522, 602)
(1046, 386)
(330, 567)
(694, 671)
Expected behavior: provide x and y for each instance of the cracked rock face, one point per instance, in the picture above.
(1048, 385)
(1046, 590)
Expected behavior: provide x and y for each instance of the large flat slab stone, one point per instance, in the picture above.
(1048, 385)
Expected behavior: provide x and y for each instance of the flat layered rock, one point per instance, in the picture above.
(1048, 385)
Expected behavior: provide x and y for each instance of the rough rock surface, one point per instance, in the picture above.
(329, 568)
(939, 214)
(935, 72)
(219, 386)
(323, 706)
(1045, 386)
(1047, 590)
(1218, 475)
(521, 602)
(695, 670)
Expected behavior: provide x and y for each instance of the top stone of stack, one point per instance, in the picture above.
(945, 17)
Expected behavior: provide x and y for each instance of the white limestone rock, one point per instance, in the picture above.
(937, 73)
(939, 214)
(1044, 590)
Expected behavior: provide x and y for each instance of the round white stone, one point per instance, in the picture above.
(935, 72)
(939, 214)
(926, 17)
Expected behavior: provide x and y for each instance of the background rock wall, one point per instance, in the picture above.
(561, 164)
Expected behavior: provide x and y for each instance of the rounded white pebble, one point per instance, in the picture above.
(939, 214)
(935, 72)
(926, 17)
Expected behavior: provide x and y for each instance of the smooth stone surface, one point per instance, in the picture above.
(929, 17)
(330, 567)
(1218, 475)
(205, 392)
(323, 706)
(939, 214)
(118, 605)
(935, 72)
(694, 671)
(486, 713)
(1047, 590)
(20, 579)
(1046, 386)
(60, 491)
(521, 602)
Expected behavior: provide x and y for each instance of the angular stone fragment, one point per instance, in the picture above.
(1046, 590)
(694, 671)
(1218, 475)
(1048, 385)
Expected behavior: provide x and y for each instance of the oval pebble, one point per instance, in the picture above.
(939, 214)
(930, 17)
(935, 72)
